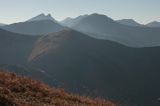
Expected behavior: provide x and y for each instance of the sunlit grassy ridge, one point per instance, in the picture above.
(23, 91)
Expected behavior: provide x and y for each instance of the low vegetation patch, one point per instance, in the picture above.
(23, 91)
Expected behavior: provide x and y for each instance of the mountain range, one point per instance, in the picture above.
(129, 22)
(39, 25)
(94, 55)
(103, 27)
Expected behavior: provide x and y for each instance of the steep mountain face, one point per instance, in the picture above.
(99, 67)
(72, 21)
(15, 48)
(42, 17)
(35, 26)
(154, 24)
(129, 22)
(102, 27)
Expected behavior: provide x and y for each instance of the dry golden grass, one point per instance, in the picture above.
(23, 91)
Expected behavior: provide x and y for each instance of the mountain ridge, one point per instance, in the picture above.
(102, 27)
(81, 60)
(129, 22)
(41, 17)
(153, 24)
(40, 27)
(72, 21)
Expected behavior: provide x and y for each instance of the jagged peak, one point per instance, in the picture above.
(49, 15)
(42, 16)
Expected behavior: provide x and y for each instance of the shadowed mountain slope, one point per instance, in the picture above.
(15, 48)
(96, 67)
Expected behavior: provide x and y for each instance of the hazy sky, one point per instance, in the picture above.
(142, 11)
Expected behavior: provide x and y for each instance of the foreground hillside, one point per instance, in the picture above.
(18, 91)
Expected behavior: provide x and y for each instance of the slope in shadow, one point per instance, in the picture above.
(99, 67)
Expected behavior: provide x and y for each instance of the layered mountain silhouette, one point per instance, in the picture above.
(39, 25)
(99, 67)
(97, 56)
(129, 22)
(153, 24)
(103, 27)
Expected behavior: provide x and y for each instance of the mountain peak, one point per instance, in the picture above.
(42, 16)
(98, 15)
(128, 22)
(49, 15)
(153, 24)
(155, 21)
(72, 21)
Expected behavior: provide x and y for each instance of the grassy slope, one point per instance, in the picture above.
(17, 91)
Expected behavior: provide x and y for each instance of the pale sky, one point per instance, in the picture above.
(143, 11)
